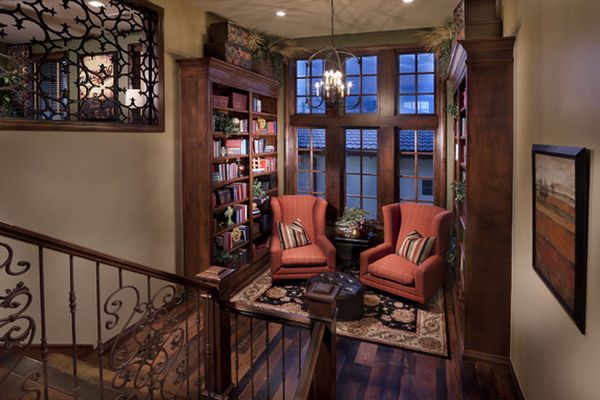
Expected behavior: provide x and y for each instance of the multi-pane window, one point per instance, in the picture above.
(361, 170)
(361, 74)
(311, 161)
(52, 93)
(307, 74)
(415, 164)
(416, 83)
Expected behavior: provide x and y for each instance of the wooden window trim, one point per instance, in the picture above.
(387, 120)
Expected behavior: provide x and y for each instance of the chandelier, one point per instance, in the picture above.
(332, 90)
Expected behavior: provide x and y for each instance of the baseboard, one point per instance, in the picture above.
(472, 355)
(481, 356)
(513, 376)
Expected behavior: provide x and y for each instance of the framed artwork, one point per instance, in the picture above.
(560, 223)
(97, 87)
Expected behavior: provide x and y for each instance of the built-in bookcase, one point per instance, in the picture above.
(225, 221)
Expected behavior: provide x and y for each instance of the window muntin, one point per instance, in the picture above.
(415, 165)
(306, 77)
(362, 73)
(311, 161)
(416, 83)
(361, 170)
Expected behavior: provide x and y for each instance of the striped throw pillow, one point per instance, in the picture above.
(416, 248)
(293, 235)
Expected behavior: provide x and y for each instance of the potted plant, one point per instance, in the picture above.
(223, 258)
(353, 223)
(226, 123)
(440, 41)
(270, 53)
(460, 190)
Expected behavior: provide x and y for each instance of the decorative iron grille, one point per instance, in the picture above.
(80, 60)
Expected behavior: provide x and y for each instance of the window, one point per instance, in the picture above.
(52, 94)
(306, 77)
(361, 170)
(361, 72)
(415, 164)
(311, 161)
(416, 83)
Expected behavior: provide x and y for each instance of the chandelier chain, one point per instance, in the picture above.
(332, 23)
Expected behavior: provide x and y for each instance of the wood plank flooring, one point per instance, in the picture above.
(267, 360)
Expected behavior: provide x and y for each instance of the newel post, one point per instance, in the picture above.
(322, 309)
(217, 328)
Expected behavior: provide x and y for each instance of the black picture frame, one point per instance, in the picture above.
(560, 188)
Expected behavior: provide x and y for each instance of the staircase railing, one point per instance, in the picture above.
(145, 326)
(77, 323)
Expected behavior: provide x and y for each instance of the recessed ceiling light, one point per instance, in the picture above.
(280, 13)
(407, 1)
(97, 4)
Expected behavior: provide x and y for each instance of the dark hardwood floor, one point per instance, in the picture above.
(266, 364)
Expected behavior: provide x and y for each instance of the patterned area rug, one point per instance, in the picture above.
(387, 319)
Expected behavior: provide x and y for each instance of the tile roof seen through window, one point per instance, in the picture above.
(406, 140)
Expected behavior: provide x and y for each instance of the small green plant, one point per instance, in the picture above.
(353, 223)
(223, 258)
(273, 49)
(440, 40)
(452, 110)
(258, 191)
(226, 123)
(460, 190)
(451, 253)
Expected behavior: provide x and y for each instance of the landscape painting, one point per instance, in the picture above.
(560, 224)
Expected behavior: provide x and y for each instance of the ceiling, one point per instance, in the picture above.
(306, 18)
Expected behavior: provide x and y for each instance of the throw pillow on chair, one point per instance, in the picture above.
(416, 248)
(292, 235)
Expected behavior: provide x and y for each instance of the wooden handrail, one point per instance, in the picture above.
(274, 316)
(47, 242)
(310, 364)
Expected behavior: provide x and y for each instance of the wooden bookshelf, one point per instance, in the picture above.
(217, 165)
(483, 147)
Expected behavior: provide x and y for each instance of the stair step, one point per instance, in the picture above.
(59, 382)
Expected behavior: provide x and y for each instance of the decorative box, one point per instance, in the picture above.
(227, 31)
(231, 53)
(239, 101)
(220, 101)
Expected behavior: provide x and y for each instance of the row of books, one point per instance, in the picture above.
(244, 125)
(269, 127)
(226, 171)
(230, 147)
(240, 213)
(228, 238)
(261, 146)
(264, 164)
(256, 105)
(234, 192)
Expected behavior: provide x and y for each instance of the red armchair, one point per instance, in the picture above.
(382, 268)
(306, 261)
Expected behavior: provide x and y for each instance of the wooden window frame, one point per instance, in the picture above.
(360, 94)
(415, 154)
(386, 120)
(361, 153)
(309, 77)
(311, 151)
(416, 75)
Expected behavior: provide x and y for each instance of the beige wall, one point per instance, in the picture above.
(114, 192)
(557, 58)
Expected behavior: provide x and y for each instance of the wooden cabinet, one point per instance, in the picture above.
(223, 218)
(481, 73)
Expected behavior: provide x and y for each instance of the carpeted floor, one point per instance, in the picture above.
(387, 319)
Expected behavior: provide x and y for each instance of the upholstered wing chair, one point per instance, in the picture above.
(382, 268)
(306, 261)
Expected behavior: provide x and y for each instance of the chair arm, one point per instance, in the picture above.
(276, 252)
(328, 248)
(430, 276)
(373, 254)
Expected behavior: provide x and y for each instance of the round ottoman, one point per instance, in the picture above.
(350, 298)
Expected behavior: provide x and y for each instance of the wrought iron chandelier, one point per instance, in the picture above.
(332, 90)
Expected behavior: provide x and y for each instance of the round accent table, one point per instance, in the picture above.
(350, 298)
